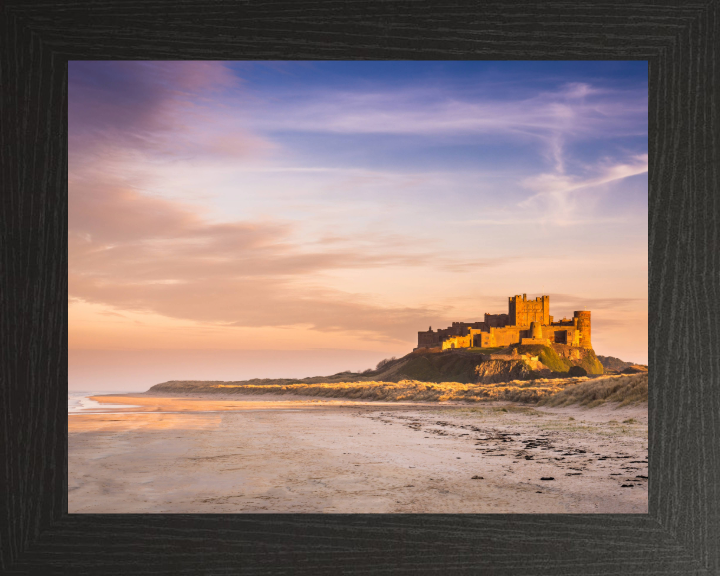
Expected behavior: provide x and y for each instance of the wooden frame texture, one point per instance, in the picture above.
(680, 535)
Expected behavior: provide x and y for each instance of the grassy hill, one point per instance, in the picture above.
(549, 356)
(452, 366)
(614, 364)
(546, 355)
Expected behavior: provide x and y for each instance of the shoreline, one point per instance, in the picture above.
(195, 454)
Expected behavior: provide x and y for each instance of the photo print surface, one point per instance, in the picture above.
(358, 287)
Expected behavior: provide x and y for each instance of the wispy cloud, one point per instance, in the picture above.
(135, 252)
(153, 108)
(553, 121)
(575, 110)
(557, 183)
(556, 194)
(575, 302)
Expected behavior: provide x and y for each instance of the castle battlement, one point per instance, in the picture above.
(527, 322)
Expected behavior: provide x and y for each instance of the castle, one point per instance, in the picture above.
(527, 322)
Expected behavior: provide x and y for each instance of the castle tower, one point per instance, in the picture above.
(535, 330)
(583, 324)
(522, 312)
(546, 310)
(514, 302)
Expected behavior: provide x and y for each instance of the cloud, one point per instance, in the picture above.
(553, 184)
(561, 199)
(121, 231)
(108, 313)
(254, 302)
(556, 198)
(575, 110)
(553, 121)
(570, 301)
(154, 108)
(135, 252)
(469, 265)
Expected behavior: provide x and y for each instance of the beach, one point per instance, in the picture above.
(285, 454)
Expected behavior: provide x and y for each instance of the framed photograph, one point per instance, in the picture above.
(307, 233)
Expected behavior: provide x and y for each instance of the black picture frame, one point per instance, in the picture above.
(680, 535)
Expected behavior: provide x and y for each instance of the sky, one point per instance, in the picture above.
(233, 220)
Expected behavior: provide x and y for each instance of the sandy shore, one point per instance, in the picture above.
(265, 454)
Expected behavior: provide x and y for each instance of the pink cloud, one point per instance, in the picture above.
(137, 252)
(236, 145)
(157, 108)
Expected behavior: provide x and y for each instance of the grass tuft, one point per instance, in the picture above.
(625, 390)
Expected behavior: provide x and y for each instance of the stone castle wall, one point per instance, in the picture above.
(527, 320)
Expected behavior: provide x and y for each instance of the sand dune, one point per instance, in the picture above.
(578, 389)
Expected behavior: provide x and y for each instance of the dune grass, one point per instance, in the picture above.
(627, 389)
(624, 389)
(412, 390)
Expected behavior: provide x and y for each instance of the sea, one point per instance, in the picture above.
(79, 402)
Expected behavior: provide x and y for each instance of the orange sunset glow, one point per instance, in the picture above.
(235, 220)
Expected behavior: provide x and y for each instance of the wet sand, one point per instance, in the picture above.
(267, 454)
